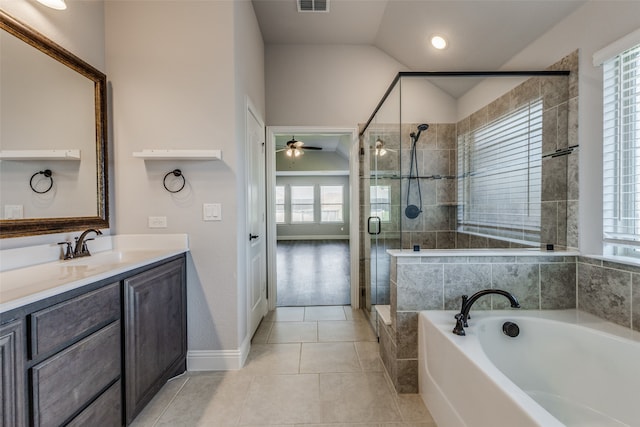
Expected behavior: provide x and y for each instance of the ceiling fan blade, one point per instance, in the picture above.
(311, 148)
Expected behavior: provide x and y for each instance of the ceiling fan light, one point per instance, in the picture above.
(54, 4)
(297, 152)
(289, 152)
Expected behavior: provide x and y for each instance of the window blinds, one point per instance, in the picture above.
(500, 176)
(621, 153)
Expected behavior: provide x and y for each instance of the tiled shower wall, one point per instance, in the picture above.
(610, 290)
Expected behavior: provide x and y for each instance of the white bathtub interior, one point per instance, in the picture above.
(566, 368)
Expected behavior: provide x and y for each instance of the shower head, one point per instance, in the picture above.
(416, 136)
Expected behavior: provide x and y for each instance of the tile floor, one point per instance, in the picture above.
(308, 366)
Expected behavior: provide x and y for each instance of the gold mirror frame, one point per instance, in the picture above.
(35, 226)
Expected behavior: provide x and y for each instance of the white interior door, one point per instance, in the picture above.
(256, 238)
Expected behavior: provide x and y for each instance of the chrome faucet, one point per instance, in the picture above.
(81, 248)
(467, 302)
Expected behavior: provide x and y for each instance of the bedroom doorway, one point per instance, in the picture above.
(312, 213)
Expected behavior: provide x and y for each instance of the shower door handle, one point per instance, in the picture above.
(378, 228)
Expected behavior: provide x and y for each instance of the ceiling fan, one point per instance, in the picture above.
(295, 148)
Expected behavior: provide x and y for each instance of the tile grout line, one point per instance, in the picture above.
(166, 408)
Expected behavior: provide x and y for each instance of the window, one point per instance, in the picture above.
(331, 203)
(302, 198)
(381, 202)
(500, 176)
(621, 154)
(280, 203)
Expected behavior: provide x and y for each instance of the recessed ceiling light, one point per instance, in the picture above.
(438, 41)
(54, 4)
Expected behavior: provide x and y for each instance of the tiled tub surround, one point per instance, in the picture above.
(433, 280)
(610, 290)
(436, 279)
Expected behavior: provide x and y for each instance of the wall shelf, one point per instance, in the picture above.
(39, 154)
(178, 154)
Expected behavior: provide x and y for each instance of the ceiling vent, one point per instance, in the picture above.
(313, 5)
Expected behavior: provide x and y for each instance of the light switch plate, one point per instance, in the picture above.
(13, 212)
(212, 212)
(157, 222)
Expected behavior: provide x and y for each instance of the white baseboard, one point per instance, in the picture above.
(218, 360)
(315, 237)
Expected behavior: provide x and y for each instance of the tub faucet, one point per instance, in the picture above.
(467, 302)
(81, 248)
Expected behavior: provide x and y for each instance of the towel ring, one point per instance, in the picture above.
(176, 173)
(47, 174)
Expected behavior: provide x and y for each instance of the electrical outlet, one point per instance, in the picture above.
(157, 222)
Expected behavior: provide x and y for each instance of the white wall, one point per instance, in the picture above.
(179, 72)
(334, 85)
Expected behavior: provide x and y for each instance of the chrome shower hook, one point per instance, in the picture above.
(176, 173)
(47, 174)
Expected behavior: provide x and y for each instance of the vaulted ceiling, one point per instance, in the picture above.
(482, 34)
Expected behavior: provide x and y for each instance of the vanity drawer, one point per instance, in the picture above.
(106, 411)
(64, 383)
(52, 327)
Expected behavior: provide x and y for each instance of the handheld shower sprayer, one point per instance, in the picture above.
(412, 211)
(416, 136)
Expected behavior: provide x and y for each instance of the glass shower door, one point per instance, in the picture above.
(383, 208)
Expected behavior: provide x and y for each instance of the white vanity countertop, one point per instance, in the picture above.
(22, 284)
(477, 252)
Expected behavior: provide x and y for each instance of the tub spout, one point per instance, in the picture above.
(467, 302)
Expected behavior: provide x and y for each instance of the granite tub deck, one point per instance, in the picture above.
(436, 279)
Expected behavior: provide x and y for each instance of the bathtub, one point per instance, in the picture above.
(565, 368)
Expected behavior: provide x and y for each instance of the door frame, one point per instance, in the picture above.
(354, 208)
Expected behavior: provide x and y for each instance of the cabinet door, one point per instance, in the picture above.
(155, 332)
(12, 374)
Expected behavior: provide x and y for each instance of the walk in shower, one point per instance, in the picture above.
(468, 160)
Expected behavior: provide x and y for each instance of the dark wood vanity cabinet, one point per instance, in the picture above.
(12, 390)
(154, 332)
(94, 356)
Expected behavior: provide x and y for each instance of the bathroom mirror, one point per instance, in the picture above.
(52, 102)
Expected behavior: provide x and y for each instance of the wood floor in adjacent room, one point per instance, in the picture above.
(313, 272)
